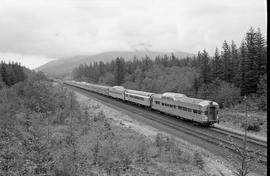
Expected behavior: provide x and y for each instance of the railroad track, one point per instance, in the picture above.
(250, 139)
(213, 135)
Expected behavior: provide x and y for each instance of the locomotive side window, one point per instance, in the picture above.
(184, 108)
(199, 112)
(205, 112)
(195, 111)
(180, 107)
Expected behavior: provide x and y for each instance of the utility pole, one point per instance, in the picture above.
(244, 163)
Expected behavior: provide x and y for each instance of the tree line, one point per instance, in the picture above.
(233, 72)
(29, 106)
(11, 73)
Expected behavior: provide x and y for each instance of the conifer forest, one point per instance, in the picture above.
(232, 73)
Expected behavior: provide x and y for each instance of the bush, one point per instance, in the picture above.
(252, 126)
(101, 116)
(125, 156)
(158, 140)
(142, 151)
(2, 84)
(198, 160)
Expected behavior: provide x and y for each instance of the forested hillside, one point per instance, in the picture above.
(232, 73)
(64, 66)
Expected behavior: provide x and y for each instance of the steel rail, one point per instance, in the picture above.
(260, 142)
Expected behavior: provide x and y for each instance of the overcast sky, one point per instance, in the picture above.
(34, 31)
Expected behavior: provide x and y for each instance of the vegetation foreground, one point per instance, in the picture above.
(45, 131)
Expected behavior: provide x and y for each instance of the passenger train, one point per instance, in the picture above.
(204, 112)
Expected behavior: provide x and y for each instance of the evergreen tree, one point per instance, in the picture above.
(244, 69)
(261, 52)
(249, 64)
(119, 71)
(236, 70)
(2, 84)
(216, 65)
(205, 68)
(226, 62)
(101, 68)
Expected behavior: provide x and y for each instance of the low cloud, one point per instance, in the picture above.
(69, 27)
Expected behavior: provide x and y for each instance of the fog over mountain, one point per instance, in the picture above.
(64, 66)
(52, 29)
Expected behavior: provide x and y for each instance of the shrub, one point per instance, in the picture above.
(142, 151)
(158, 140)
(198, 160)
(252, 126)
(125, 156)
(101, 116)
(97, 106)
(107, 125)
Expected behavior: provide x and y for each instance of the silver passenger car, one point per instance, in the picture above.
(138, 97)
(179, 105)
(83, 85)
(92, 87)
(104, 90)
(117, 92)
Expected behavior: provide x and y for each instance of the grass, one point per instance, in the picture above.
(235, 118)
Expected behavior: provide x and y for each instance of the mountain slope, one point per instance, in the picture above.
(65, 66)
